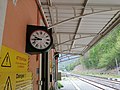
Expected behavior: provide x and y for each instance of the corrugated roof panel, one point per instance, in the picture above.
(98, 15)
(68, 1)
(84, 40)
(77, 49)
(105, 2)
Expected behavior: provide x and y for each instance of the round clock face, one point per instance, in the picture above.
(40, 39)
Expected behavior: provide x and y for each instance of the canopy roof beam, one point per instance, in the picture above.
(78, 25)
(79, 16)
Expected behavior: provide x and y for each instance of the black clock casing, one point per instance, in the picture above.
(29, 47)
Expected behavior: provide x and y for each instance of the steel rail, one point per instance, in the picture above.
(84, 79)
(90, 84)
(105, 79)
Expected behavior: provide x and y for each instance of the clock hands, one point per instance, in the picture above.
(40, 40)
(36, 38)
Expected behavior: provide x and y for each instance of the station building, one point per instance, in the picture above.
(18, 69)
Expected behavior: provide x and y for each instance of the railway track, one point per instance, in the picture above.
(100, 83)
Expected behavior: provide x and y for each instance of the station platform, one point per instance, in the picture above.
(67, 84)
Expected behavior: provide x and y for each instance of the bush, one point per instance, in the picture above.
(59, 85)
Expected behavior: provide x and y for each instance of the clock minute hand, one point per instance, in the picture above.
(38, 38)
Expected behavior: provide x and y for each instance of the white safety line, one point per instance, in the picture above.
(77, 88)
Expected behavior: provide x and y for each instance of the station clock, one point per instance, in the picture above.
(38, 39)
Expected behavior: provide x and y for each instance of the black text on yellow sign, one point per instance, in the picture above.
(13, 61)
(16, 81)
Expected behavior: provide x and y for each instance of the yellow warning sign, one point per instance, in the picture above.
(13, 61)
(8, 85)
(16, 81)
(6, 61)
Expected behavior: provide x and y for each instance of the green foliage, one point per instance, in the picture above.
(104, 53)
(62, 66)
(59, 85)
(72, 65)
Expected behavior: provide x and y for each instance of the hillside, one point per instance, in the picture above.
(82, 70)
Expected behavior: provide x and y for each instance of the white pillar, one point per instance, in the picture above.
(3, 7)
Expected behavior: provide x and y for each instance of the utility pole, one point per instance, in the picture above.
(117, 68)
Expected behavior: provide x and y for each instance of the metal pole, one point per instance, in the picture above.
(45, 71)
(40, 73)
(117, 66)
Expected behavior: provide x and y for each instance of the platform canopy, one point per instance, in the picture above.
(80, 24)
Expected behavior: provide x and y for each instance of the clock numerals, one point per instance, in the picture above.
(34, 35)
(47, 43)
(34, 42)
(44, 45)
(37, 33)
(43, 34)
(36, 45)
(40, 39)
(48, 39)
(40, 32)
(47, 36)
(40, 46)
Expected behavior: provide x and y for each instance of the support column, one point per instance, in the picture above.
(44, 71)
(56, 68)
(3, 7)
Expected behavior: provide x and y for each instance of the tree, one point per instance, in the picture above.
(104, 53)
